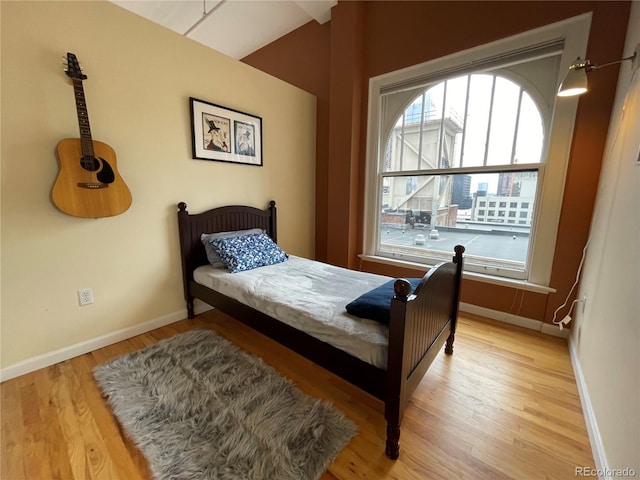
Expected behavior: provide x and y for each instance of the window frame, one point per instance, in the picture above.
(574, 33)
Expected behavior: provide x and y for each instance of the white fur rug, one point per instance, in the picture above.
(200, 408)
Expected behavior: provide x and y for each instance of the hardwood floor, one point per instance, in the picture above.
(504, 406)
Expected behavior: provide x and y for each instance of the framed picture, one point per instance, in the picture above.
(225, 135)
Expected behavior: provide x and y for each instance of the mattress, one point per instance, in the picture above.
(309, 296)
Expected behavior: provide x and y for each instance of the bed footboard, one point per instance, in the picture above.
(421, 323)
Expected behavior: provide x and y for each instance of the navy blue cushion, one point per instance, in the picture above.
(376, 304)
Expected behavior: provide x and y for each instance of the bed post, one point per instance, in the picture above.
(396, 379)
(272, 221)
(457, 259)
(183, 229)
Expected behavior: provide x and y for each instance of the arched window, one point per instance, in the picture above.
(470, 150)
(480, 121)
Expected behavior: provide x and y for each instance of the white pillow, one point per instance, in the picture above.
(212, 256)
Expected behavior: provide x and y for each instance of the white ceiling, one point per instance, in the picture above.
(233, 27)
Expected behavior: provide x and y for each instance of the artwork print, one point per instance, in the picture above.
(216, 133)
(245, 138)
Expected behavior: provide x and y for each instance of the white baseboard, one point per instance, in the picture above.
(597, 447)
(56, 356)
(537, 325)
(51, 358)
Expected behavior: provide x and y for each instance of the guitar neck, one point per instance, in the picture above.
(83, 119)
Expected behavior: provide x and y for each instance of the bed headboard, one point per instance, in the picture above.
(221, 219)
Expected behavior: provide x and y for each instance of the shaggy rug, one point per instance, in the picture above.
(200, 408)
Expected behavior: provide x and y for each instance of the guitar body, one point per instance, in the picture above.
(89, 186)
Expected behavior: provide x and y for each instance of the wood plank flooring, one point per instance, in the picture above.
(504, 406)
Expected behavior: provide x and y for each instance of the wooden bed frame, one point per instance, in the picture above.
(420, 324)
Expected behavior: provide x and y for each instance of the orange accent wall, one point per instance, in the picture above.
(365, 39)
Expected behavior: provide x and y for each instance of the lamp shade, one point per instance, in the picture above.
(575, 83)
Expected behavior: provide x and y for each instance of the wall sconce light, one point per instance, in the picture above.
(575, 82)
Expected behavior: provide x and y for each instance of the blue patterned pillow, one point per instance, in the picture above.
(212, 256)
(247, 252)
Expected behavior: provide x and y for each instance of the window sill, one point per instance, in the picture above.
(476, 277)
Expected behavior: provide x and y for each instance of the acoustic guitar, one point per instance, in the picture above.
(88, 183)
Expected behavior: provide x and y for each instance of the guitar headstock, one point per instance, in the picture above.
(72, 67)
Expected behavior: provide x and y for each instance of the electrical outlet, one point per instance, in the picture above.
(85, 296)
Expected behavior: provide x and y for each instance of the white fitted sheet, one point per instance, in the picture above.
(310, 296)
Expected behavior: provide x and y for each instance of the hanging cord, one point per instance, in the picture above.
(559, 322)
(513, 304)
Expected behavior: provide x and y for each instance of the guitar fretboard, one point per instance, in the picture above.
(83, 119)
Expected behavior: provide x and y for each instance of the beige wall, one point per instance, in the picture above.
(140, 77)
(606, 337)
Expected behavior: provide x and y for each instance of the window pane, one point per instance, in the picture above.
(413, 142)
(430, 131)
(445, 210)
(477, 120)
(504, 114)
(530, 133)
(455, 113)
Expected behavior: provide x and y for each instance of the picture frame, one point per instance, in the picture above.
(223, 134)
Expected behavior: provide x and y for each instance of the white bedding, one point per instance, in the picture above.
(309, 296)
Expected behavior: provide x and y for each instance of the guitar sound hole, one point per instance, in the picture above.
(90, 163)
